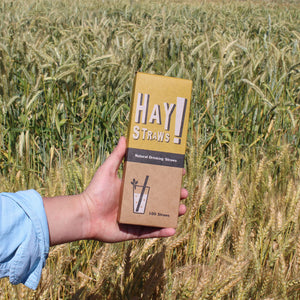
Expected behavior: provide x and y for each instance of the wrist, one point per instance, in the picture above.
(86, 217)
(67, 218)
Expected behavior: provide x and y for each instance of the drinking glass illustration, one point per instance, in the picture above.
(140, 196)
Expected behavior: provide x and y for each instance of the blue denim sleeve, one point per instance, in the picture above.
(24, 237)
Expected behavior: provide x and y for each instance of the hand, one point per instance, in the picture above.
(93, 214)
(102, 199)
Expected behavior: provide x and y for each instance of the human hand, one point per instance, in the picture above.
(102, 200)
(93, 213)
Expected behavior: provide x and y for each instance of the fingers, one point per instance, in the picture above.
(183, 193)
(165, 232)
(182, 210)
(114, 160)
(145, 232)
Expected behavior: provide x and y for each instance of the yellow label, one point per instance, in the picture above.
(159, 113)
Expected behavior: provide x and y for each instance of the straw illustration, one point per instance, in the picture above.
(142, 193)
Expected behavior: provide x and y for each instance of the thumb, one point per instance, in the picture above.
(114, 160)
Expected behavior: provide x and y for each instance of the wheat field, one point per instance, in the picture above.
(66, 73)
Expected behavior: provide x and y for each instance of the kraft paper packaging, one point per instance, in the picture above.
(156, 144)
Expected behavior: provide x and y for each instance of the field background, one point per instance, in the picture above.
(66, 72)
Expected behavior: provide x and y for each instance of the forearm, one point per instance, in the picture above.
(66, 216)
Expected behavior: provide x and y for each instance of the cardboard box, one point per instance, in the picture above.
(156, 144)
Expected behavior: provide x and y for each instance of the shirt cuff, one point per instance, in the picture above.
(30, 257)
